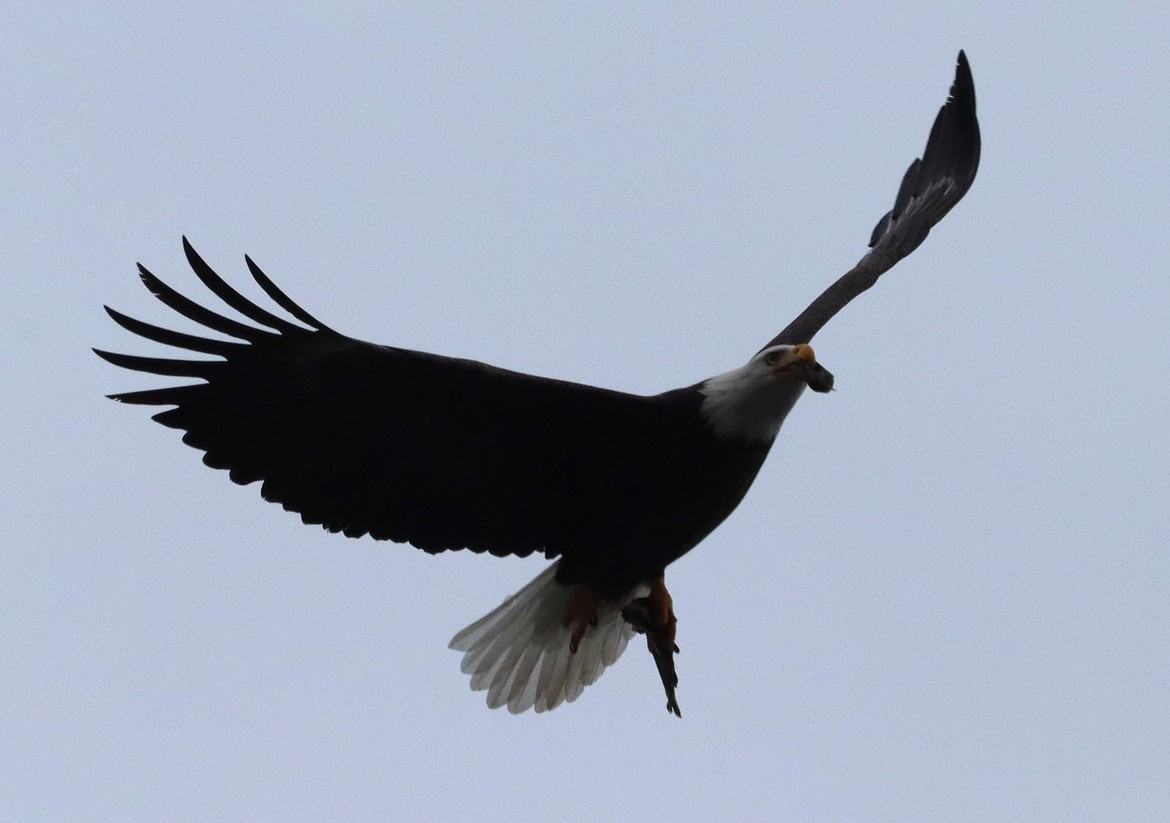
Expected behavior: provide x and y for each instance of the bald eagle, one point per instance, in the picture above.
(449, 454)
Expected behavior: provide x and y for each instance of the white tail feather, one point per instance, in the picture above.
(519, 652)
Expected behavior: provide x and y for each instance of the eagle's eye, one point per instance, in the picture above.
(771, 357)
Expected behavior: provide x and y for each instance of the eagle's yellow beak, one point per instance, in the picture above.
(800, 362)
(794, 361)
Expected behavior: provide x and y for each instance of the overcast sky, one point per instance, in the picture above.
(947, 596)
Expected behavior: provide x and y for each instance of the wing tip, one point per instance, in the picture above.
(197, 263)
(962, 91)
(952, 156)
(108, 356)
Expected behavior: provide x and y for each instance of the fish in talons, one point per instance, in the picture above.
(653, 616)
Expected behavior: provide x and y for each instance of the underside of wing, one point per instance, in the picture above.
(930, 188)
(402, 445)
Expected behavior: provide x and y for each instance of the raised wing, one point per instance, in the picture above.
(412, 447)
(931, 187)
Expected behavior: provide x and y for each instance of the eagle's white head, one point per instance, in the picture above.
(751, 402)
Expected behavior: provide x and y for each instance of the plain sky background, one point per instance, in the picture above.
(947, 596)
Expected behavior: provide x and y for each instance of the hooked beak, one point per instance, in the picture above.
(801, 364)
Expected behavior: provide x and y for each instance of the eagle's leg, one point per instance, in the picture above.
(653, 615)
(662, 608)
(581, 613)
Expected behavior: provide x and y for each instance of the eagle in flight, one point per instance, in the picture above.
(449, 454)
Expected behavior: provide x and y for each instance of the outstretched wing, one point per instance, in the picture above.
(931, 187)
(412, 447)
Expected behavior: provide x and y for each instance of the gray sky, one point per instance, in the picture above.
(944, 599)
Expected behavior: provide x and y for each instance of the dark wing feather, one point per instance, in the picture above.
(439, 452)
(931, 187)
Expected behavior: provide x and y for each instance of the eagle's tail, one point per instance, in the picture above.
(519, 652)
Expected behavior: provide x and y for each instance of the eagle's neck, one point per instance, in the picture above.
(746, 406)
